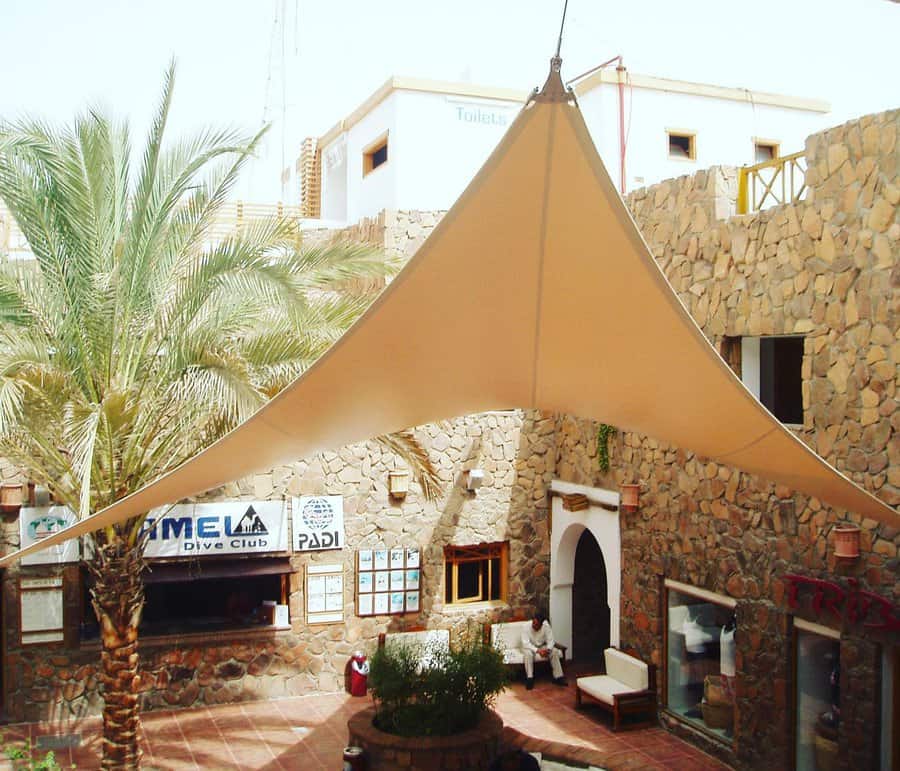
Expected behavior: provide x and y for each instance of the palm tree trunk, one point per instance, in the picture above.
(118, 599)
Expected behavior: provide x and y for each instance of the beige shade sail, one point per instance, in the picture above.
(536, 290)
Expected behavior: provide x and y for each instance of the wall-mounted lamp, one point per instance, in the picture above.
(473, 479)
(12, 498)
(398, 484)
(846, 542)
(628, 497)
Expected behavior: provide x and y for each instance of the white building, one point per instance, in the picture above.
(416, 144)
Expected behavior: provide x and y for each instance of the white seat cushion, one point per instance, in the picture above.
(508, 636)
(631, 672)
(513, 656)
(602, 687)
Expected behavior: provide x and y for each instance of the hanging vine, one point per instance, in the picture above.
(603, 435)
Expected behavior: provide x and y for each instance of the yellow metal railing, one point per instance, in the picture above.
(782, 180)
(231, 217)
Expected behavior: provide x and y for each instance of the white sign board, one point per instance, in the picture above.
(318, 522)
(233, 527)
(37, 523)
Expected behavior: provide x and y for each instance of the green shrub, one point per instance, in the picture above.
(24, 757)
(435, 692)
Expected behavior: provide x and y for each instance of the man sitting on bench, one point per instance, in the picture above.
(537, 640)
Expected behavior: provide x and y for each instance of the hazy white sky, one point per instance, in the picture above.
(303, 64)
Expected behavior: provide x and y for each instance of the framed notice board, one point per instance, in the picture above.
(324, 594)
(41, 610)
(388, 581)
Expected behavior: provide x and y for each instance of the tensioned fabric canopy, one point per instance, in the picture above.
(535, 290)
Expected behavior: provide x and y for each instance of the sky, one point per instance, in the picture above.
(302, 65)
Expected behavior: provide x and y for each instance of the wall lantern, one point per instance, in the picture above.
(628, 497)
(12, 498)
(398, 484)
(846, 542)
(473, 479)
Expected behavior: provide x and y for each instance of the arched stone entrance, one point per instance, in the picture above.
(568, 529)
(590, 603)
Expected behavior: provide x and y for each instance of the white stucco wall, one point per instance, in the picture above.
(725, 130)
(437, 142)
(445, 140)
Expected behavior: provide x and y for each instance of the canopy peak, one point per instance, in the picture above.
(554, 90)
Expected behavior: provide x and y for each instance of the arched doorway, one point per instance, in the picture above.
(590, 604)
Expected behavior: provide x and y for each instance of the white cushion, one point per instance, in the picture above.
(602, 687)
(513, 656)
(631, 672)
(508, 636)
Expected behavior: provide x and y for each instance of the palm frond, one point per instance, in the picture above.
(136, 337)
(405, 444)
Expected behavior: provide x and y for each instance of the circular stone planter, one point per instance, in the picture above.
(475, 749)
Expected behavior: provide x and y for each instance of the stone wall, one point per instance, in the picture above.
(826, 268)
(516, 451)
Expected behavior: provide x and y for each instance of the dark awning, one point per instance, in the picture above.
(197, 570)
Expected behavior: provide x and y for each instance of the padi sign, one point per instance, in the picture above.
(318, 522)
(236, 527)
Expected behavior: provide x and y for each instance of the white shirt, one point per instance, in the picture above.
(534, 640)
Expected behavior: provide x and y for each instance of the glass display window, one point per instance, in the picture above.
(700, 660)
(817, 696)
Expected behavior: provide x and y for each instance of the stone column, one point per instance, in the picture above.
(763, 648)
(860, 690)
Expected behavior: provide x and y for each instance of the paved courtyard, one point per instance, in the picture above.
(308, 733)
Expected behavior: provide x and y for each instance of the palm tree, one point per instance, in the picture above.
(133, 341)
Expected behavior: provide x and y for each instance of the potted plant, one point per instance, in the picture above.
(435, 702)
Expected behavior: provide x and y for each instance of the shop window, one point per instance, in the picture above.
(682, 145)
(375, 155)
(764, 151)
(700, 665)
(771, 367)
(817, 663)
(184, 598)
(475, 573)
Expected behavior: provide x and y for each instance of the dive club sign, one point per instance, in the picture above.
(235, 527)
(318, 522)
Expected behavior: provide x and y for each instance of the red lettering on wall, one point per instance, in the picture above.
(854, 604)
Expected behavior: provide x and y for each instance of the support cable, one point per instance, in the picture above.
(561, 25)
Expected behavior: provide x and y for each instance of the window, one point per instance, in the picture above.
(375, 155)
(818, 695)
(212, 596)
(682, 145)
(475, 573)
(764, 150)
(771, 367)
(700, 665)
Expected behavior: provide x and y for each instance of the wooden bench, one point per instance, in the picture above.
(507, 636)
(627, 688)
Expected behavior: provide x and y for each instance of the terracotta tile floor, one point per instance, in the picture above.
(307, 733)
